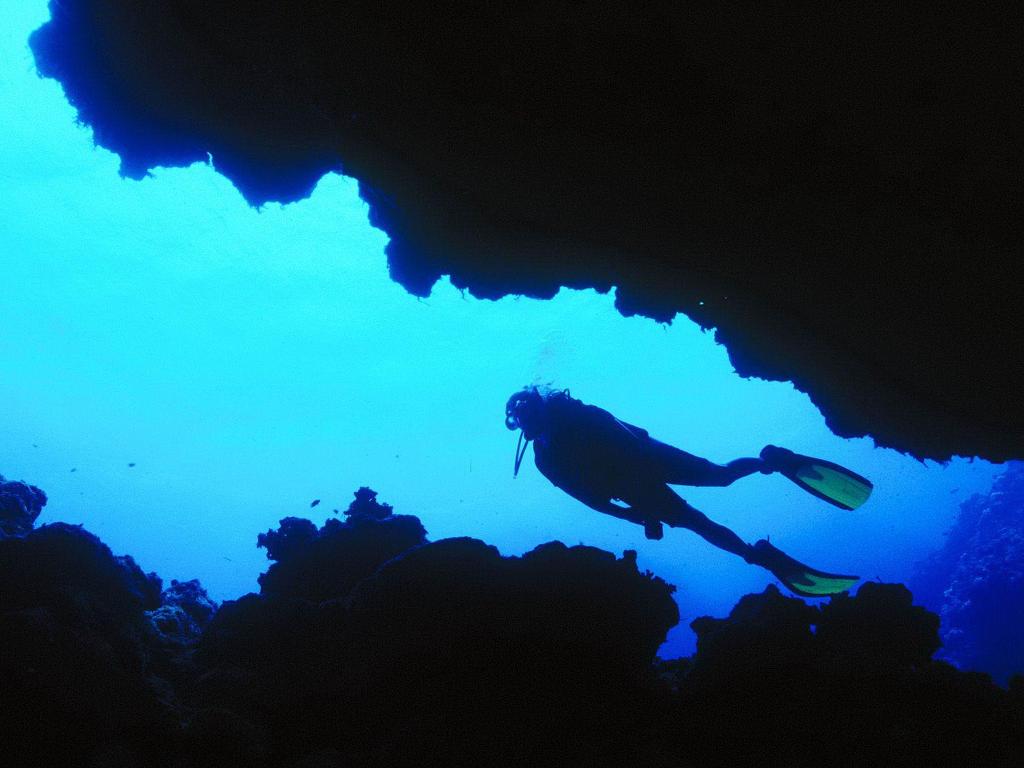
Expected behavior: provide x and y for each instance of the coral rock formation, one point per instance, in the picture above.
(450, 653)
(20, 505)
(74, 667)
(976, 581)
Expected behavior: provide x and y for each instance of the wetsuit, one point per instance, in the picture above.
(601, 461)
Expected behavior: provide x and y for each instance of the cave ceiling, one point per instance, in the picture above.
(834, 188)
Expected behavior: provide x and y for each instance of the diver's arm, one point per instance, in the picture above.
(573, 484)
(584, 495)
(627, 512)
(606, 506)
(635, 432)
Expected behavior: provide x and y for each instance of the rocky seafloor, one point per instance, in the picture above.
(369, 645)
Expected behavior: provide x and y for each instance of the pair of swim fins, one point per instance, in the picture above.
(830, 482)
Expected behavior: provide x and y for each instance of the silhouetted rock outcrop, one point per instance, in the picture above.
(449, 653)
(176, 627)
(837, 192)
(185, 610)
(976, 581)
(443, 648)
(849, 683)
(94, 653)
(20, 505)
(74, 667)
(317, 564)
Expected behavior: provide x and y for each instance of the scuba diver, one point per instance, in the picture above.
(620, 470)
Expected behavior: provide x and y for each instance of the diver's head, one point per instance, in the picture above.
(525, 411)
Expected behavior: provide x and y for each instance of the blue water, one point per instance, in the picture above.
(248, 362)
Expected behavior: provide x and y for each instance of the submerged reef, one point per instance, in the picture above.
(20, 505)
(369, 645)
(836, 192)
(976, 581)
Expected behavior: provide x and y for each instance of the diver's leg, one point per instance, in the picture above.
(663, 503)
(677, 467)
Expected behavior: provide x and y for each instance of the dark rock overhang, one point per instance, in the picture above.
(835, 189)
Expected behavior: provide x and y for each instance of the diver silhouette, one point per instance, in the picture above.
(620, 470)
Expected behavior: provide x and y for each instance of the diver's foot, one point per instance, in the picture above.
(774, 457)
(653, 530)
(798, 578)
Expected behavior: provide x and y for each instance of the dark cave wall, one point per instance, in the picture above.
(836, 190)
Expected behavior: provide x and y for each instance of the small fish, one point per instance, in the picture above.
(314, 502)
(34, 445)
(74, 469)
(334, 511)
(131, 463)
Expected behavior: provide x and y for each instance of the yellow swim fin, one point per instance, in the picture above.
(799, 578)
(828, 481)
